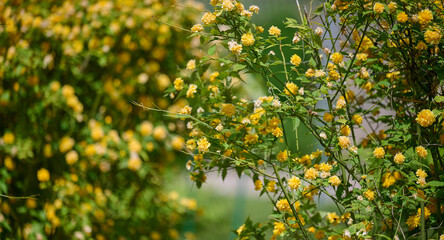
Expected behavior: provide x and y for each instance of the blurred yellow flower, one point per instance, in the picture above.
(43, 175)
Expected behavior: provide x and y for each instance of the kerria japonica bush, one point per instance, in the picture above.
(364, 77)
(77, 159)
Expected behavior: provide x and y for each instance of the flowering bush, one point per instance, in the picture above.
(78, 160)
(370, 92)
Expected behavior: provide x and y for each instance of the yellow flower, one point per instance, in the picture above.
(234, 47)
(333, 218)
(177, 143)
(311, 174)
(337, 57)
(274, 31)
(240, 229)
(271, 186)
(203, 144)
(296, 224)
(421, 151)
(291, 88)
(425, 16)
(421, 46)
(9, 164)
(389, 178)
(427, 212)
(295, 60)
(277, 132)
(344, 142)
(247, 39)
(258, 185)
(251, 138)
(66, 144)
(227, 5)
(369, 194)
(432, 37)
(254, 8)
(378, 7)
(178, 84)
(278, 228)
(328, 117)
(357, 119)
(191, 65)
(334, 180)
(228, 109)
(421, 181)
(259, 29)
(402, 17)
(191, 144)
(325, 167)
(208, 18)
(9, 138)
(362, 57)
(294, 182)
(425, 118)
(379, 152)
(310, 73)
(185, 110)
(305, 160)
(282, 156)
(146, 128)
(134, 163)
(421, 173)
(43, 175)
(283, 205)
(340, 104)
(345, 130)
(399, 158)
(392, 6)
(192, 89)
(71, 157)
(413, 221)
(159, 133)
(134, 146)
(197, 28)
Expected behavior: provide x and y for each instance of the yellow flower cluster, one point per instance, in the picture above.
(295, 60)
(369, 194)
(282, 156)
(283, 205)
(291, 88)
(294, 182)
(399, 158)
(425, 118)
(379, 152)
(337, 57)
(425, 17)
(378, 7)
(274, 31)
(247, 39)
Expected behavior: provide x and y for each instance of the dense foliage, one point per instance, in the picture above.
(365, 77)
(78, 160)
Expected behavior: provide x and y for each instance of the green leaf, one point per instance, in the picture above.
(212, 50)
(238, 67)
(296, 122)
(439, 99)
(436, 183)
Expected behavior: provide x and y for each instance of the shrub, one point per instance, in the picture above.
(78, 160)
(370, 93)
